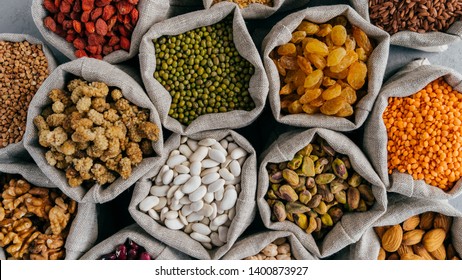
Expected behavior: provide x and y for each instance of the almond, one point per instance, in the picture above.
(442, 221)
(411, 257)
(405, 249)
(392, 238)
(393, 257)
(420, 250)
(381, 230)
(382, 254)
(433, 239)
(411, 223)
(426, 220)
(413, 237)
(440, 253)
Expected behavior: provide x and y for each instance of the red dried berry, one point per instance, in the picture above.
(57, 3)
(125, 43)
(50, 6)
(102, 3)
(50, 23)
(65, 7)
(107, 50)
(92, 49)
(70, 1)
(79, 43)
(108, 12)
(70, 38)
(77, 6)
(90, 27)
(133, 2)
(96, 56)
(85, 17)
(116, 47)
(60, 17)
(111, 23)
(96, 13)
(67, 24)
(134, 15)
(87, 5)
(124, 7)
(74, 15)
(113, 41)
(77, 26)
(101, 27)
(95, 39)
(80, 53)
(122, 30)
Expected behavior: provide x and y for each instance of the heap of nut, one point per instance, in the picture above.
(422, 237)
(94, 133)
(323, 68)
(34, 221)
(279, 249)
(130, 250)
(315, 188)
(95, 27)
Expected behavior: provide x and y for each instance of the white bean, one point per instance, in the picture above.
(182, 218)
(225, 174)
(231, 147)
(216, 240)
(162, 213)
(153, 214)
(174, 153)
(188, 229)
(226, 163)
(185, 150)
(209, 197)
(197, 205)
(223, 233)
(178, 194)
(235, 168)
(161, 204)
(191, 185)
(185, 200)
(219, 194)
(186, 210)
(214, 213)
(171, 191)
(207, 142)
(148, 203)
(200, 237)
(198, 194)
(220, 148)
(206, 210)
(182, 169)
(238, 153)
(192, 144)
(176, 160)
(215, 186)
(208, 163)
(200, 154)
(167, 177)
(201, 228)
(194, 217)
(195, 168)
(224, 143)
(229, 199)
(208, 171)
(183, 139)
(217, 155)
(158, 180)
(171, 215)
(174, 224)
(210, 178)
(181, 179)
(232, 213)
(207, 245)
(159, 190)
(220, 220)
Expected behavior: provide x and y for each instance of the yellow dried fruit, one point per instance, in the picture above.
(346, 111)
(331, 107)
(325, 29)
(335, 56)
(304, 65)
(295, 107)
(317, 47)
(362, 55)
(391, 239)
(298, 36)
(338, 35)
(309, 109)
(327, 82)
(314, 79)
(393, 256)
(413, 237)
(281, 70)
(287, 49)
(350, 44)
(318, 102)
(309, 27)
(357, 75)
(349, 94)
(433, 239)
(332, 92)
(348, 59)
(289, 62)
(318, 61)
(411, 223)
(310, 95)
(339, 76)
(361, 39)
(287, 89)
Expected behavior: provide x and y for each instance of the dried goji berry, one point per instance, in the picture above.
(129, 27)
(69, 1)
(77, 26)
(77, 6)
(70, 38)
(74, 15)
(126, 19)
(85, 17)
(124, 43)
(79, 43)
(90, 27)
(133, 2)
(50, 23)
(122, 31)
(108, 12)
(67, 24)
(50, 6)
(124, 7)
(116, 47)
(102, 3)
(95, 39)
(96, 56)
(134, 14)
(65, 7)
(60, 31)
(96, 13)
(80, 53)
(87, 5)
(57, 3)
(60, 17)
(92, 49)
(101, 27)
(113, 41)
(111, 22)
(107, 50)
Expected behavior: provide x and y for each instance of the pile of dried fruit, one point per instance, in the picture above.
(203, 72)
(23, 68)
(246, 3)
(94, 133)
(414, 15)
(95, 27)
(128, 251)
(422, 237)
(315, 188)
(323, 68)
(424, 134)
(279, 249)
(34, 221)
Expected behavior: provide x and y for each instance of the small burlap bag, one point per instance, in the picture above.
(84, 228)
(90, 70)
(17, 149)
(245, 205)
(428, 42)
(258, 87)
(352, 225)
(408, 81)
(150, 12)
(376, 64)
(156, 249)
(399, 209)
(260, 11)
(253, 244)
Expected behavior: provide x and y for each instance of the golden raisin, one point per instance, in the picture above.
(332, 92)
(287, 49)
(357, 75)
(309, 27)
(338, 35)
(317, 47)
(335, 56)
(333, 106)
(310, 95)
(318, 61)
(362, 40)
(350, 57)
(314, 79)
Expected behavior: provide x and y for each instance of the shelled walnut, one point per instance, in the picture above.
(34, 221)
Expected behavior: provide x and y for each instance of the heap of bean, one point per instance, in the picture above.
(315, 188)
(246, 3)
(414, 15)
(203, 72)
(23, 68)
(424, 134)
(130, 250)
(196, 191)
(323, 68)
(279, 249)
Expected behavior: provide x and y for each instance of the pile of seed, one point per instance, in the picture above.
(23, 68)
(203, 72)
(414, 15)
(246, 3)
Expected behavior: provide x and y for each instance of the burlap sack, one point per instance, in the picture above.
(260, 11)
(399, 209)
(91, 70)
(253, 244)
(245, 205)
(258, 87)
(17, 149)
(428, 42)
(408, 81)
(352, 225)
(282, 33)
(150, 11)
(84, 227)
(156, 249)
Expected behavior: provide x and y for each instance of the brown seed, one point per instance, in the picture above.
(413, 237)
(411, 223)
(433, 239)
(392, 238)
